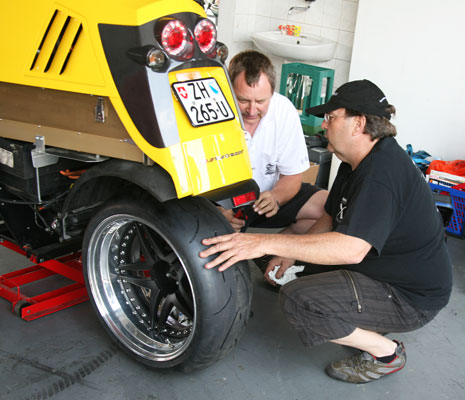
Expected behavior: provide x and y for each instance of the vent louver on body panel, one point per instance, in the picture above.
(57, 44)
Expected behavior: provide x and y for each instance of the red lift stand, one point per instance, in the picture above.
(29, 308)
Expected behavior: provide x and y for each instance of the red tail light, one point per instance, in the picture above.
(176, 40)
(205, 34)
(244, 198)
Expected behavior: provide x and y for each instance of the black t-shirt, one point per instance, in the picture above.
(386, 202)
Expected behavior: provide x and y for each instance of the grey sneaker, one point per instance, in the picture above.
(362, 367)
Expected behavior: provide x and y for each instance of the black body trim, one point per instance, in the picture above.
(223, 196)
(145, 93)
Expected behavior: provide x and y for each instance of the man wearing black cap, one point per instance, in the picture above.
(381, 240)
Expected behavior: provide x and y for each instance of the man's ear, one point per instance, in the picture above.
(359, 124)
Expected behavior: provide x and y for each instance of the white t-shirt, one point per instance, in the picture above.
(278, 144)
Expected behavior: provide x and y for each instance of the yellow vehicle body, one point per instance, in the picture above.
(117, 148)
(57, 46)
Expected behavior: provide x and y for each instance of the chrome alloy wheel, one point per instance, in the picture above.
(141, 288)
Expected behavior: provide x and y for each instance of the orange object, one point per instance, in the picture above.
(456, 167)
(72, 174)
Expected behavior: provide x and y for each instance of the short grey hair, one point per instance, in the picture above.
(254, 64)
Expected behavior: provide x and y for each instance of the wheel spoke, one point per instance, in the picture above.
(164, 314)
(183, 293)
(155, 246)
(136, 266)
(155, 299)
(147, 283)
(141, 234)
(178, 302)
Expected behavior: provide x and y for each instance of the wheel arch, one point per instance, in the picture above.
(112, 178)
(150, 179)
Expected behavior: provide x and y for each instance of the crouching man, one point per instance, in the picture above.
(381, 237)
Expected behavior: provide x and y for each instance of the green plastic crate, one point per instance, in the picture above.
(307, 86)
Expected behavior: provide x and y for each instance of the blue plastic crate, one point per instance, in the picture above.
(456, 224)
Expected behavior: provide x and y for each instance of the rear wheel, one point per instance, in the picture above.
(150, 289)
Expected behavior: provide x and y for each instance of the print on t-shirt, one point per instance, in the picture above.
(270, 169)
(342, 208)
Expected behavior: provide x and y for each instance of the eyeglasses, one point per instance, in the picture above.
(330, 117)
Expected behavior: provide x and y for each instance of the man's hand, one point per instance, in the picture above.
(236, 223)
(284, 264)
(266, 204)
(234, 247)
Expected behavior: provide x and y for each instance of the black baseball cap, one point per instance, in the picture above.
(362, 96)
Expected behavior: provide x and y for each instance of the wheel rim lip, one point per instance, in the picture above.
(102, 287)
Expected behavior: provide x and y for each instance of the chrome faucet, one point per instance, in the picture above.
(292, 9)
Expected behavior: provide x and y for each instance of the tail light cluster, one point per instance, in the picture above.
(178, 42)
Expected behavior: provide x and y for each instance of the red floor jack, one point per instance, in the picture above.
(29, 308)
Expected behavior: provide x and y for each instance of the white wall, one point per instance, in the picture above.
(414, 51)
(332, 19)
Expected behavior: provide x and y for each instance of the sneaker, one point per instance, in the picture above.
(362, 367)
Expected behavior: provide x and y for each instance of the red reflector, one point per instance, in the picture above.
(205, 34)
(205, 38)
(244, 198)
(176, 39)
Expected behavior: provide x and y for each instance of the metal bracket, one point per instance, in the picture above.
(41, 159)
(100, 110)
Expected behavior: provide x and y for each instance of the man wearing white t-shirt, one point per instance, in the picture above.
(277, 150)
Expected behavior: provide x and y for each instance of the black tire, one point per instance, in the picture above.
(150, 289)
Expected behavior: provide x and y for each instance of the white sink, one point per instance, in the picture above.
(297, 48)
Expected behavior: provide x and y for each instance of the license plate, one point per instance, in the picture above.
(203, 101)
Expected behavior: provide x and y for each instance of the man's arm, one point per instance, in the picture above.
(330, 248)
(324, 224)
(285, 189)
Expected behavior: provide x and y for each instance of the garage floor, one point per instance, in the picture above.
(41, 359)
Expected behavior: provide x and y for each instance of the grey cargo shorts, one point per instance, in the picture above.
(330, 305)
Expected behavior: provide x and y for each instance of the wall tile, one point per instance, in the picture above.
(341, 74)
(348, 16)
(237, 48)
(241, 28)
(344, 46)
(279, 8)
(332, 13)
(308, 29)
(226, 14)
(331, 34)
(263, 24)
(245, 6)
(314, 16)
(275, 22)
(263, 8)
(297, 18)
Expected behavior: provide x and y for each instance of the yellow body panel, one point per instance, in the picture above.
(35, 52)
(214, 154)
(87, 72)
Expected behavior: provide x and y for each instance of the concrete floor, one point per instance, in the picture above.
(41, 359)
